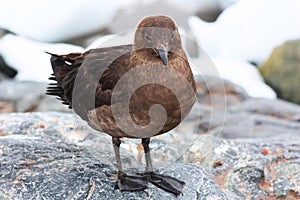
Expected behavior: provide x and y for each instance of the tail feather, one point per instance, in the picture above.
(63, 67)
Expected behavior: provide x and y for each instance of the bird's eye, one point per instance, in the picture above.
(148, 37)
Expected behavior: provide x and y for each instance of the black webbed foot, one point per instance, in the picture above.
(166, 183)
(131, 183)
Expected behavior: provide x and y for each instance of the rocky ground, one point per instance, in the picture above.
(227, 148)
(38, 163)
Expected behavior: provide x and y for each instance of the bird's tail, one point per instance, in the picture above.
(64, 74)
(62, 65)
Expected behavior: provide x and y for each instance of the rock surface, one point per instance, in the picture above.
(25, 96)
(37, 163)
(253, 168)
(281, 71)
(255, 153)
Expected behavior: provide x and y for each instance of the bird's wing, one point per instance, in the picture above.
(85, 80)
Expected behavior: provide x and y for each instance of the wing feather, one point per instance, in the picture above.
(84, 69)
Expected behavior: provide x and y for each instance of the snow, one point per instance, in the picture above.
(245, 75)
(202, 5)
(56, 20)
(28, 56)
(236, 71)
(195, 5)
(112, 40)
(225, 3)
(249, 29)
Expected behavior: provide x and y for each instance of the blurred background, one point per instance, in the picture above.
(252, 43)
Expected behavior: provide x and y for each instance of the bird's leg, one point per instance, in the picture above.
(125, 182)
(116, 143)
(164, 182)
(145, 143)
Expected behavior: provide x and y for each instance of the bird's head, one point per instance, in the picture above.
(160, 35)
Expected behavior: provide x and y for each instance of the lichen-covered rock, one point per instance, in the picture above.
(282, 69)
(254, 152)
(38, 160)
(255, 168)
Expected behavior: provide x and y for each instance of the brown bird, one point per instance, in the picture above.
(117, 90)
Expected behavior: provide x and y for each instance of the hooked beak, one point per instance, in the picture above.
(162, 51)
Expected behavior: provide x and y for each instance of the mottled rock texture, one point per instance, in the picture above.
(37, 162)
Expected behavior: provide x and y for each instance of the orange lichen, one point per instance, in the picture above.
(265, 151)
